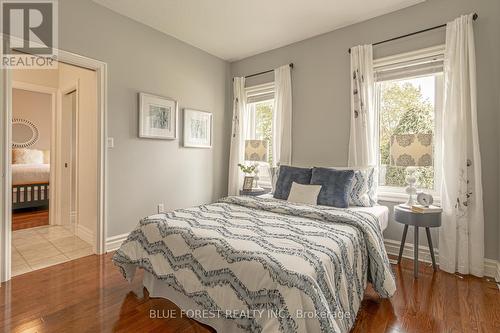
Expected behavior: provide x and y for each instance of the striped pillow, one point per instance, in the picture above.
(363, 191)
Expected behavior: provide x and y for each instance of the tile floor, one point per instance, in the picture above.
(40, 247)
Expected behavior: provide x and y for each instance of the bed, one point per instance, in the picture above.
(30, 185)
(253, 264)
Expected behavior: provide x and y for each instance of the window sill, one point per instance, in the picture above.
(400, 196)
(392, 197)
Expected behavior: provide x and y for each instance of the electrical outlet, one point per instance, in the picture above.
(161, 208)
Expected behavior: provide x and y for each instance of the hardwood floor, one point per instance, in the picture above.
(90, 295)
(29, 219)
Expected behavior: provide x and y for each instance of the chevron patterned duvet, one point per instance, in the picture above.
(268, 265)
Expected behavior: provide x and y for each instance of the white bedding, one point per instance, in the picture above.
(264, 265)
(381, 212)
(30, 173)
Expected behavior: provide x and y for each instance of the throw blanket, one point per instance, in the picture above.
(269, 265)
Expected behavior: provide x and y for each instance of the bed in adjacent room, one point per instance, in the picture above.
(30, 178)
(252, 264)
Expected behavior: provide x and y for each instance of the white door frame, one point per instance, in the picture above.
(75, 86)
(54, 106)
(6, 226)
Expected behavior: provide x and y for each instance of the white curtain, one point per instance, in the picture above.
(363, 127)
(237, 150)
(461, 237)
(282, 116)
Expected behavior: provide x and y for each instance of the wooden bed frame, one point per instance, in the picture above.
(30, 195)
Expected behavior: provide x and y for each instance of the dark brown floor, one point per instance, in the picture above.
(90, 295)
(27, 218)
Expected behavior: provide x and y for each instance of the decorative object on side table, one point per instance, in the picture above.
(256, 151)
(157, 117)
(425, 199)
(411, 151)
(197, 129)
(248, 183)
(427, 220)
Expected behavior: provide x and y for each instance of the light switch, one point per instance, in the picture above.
(111, 142)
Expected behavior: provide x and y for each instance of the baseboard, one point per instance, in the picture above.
(497, 278)
(114, 242)
(72, 217)
(85, 234)
(491, 267)
(424, 255)
(497, 274)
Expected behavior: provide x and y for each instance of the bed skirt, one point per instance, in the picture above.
(189, 308)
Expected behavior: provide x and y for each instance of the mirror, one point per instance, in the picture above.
(24, 133)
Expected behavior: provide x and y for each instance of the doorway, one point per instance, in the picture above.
(67, 201)
(36, 243)
(32, 110)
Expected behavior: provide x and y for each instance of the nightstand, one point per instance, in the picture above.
(406, 216)
(255, 192)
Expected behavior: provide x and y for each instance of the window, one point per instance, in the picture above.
(408, 90)
(259, 126)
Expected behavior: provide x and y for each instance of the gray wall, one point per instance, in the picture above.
(145, 172)
(321, 83)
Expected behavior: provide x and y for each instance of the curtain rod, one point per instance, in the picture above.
(474, 17)
(265, 72)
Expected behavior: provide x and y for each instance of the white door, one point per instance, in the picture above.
(68, 158)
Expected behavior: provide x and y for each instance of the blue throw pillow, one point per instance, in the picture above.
(335, 186)
(288, 175)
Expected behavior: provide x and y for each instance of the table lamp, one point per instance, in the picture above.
(411, 151)
(256, 151)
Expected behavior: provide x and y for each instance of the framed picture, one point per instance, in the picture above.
(157, 117)
(248, 183)
(197, 129)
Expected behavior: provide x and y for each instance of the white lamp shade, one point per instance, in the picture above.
(256, 150)
(411, 150)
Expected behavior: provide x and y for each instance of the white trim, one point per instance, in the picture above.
(113, 243)
(57, 166)
(437, 50)
(424, 255)
(498, 272)
(398, 194)
(6, 227)
(497, 275)
(391, 196)
(85, 234)
(5, 231)
(491, 267)
(33, 87)
(102, 83)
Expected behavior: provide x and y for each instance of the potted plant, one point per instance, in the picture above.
(248, 170)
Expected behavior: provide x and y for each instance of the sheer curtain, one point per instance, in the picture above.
(461, 237)
(363, 127)
(237, 150)
(282, 116)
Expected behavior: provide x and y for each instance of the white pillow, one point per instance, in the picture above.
(306, 194)
(46, 157)
(27, 156)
